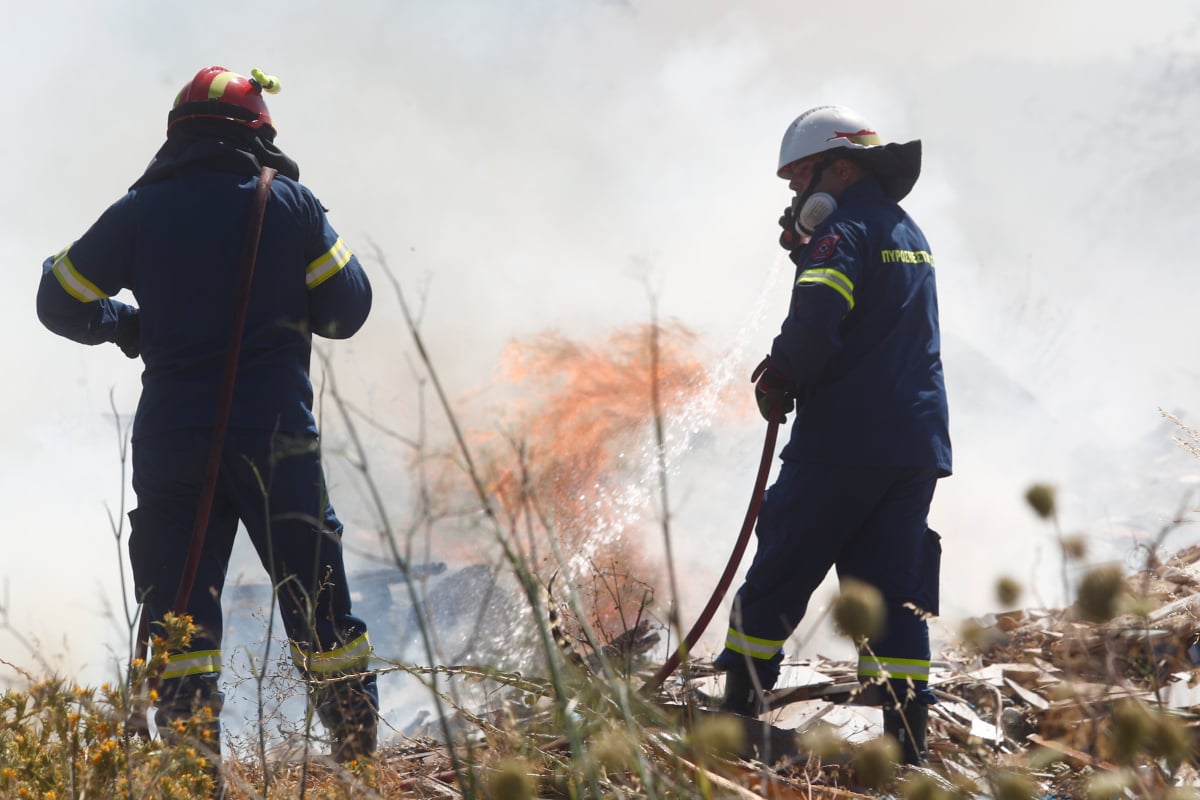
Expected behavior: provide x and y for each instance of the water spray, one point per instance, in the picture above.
(735, 558)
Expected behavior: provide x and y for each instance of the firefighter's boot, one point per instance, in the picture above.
(907, 726)
(189, 713)
(741, 693)
(349, 710)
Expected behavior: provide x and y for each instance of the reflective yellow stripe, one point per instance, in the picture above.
(219, 82)
(832, 278)
(73, 283)
(897, 668)
(753, 646)
(199, 663)
(351, 656)
(324, 267)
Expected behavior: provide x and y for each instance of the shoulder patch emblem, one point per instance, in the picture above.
(823, 248)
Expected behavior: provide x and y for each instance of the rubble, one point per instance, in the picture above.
(1033, 690)
(1033, 703)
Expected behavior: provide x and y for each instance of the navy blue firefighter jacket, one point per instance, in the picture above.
(861, 342)
(176, 244)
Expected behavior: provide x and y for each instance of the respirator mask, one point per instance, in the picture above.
(810, 208)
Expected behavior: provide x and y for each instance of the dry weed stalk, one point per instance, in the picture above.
(574, 733)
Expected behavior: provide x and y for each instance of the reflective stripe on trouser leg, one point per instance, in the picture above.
(901, 654)
(352, 657)
(761, 649)
(345, 694)
(743, 652)
(897, 669)
(190, 682)
(203, 662)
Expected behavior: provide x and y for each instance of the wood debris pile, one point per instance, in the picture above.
(1035, 691)
(1031, 703)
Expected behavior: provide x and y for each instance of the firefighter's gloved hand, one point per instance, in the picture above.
(789, 238)
(773, 392)
(129, 332)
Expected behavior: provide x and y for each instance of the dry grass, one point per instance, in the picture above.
(575, 731)
(591, 735)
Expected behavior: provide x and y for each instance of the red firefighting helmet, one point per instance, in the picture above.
(217, 93)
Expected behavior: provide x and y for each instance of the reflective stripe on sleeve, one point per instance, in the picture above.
(752, 646)
(200, 662)
(829, 277)
(893, 668)
(73, 283)
(351, 656)
(326, 266)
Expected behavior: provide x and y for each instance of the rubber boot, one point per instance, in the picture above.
(741, 695)
(907, 727)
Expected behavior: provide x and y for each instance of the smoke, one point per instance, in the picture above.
(528, 165)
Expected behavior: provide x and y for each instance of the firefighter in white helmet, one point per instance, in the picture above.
(858, 360)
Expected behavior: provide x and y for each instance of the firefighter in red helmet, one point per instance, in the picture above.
(174, 240)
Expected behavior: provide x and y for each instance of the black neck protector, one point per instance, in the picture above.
(217, 144)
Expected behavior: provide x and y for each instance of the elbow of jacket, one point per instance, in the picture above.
(333, 330)
(339, 328)
(46, 315)
(346, 320)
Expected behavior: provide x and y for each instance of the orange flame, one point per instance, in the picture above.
(578, 429)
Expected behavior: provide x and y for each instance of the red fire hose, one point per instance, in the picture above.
(216, 449)
(735, 558)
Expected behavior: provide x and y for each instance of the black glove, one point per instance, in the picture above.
(129, 333)
(789, 238)
(773, 392)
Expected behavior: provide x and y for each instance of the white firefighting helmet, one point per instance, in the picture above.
(825, 128)
(828, 128)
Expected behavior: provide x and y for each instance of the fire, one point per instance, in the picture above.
(575, 434)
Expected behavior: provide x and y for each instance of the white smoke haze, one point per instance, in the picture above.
(531, 165)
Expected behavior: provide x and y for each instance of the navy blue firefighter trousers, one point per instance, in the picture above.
(869, 523)
(274, 484)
